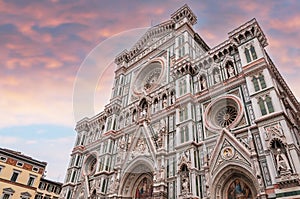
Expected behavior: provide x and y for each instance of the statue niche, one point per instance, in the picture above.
(185, 182)
(184, 174)
(280, 157)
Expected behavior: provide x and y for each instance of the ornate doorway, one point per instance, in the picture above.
(143, 187)
(137, 182)
(238, 189)
(234, 183)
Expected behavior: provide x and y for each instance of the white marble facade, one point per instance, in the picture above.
(189, 121)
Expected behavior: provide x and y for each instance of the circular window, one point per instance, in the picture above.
(90, 163)
(149, 77)
(224, 112)
(226, 116)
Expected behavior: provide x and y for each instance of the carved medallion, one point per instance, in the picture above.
(227, 153)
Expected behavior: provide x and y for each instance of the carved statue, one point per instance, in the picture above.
(141, 145)
(162, 173)
(155, 106)
(122, 145)
(128, 142)
(164, 103)
(230, 71)
(134, 116)
(160, 140)
(161, 133)
(173, 99)
(203, 83)
(282, 162)
(185, 185)
(217, 77)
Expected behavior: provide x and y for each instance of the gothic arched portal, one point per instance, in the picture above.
(137, 182)
(234, 182)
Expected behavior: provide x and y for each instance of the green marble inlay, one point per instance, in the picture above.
(286, 194)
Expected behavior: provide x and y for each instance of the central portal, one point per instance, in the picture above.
(137, 182)
(143, 187)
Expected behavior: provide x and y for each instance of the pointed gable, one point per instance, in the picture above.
(228, 150)
(142, 145)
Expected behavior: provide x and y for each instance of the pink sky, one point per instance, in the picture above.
(44, 44)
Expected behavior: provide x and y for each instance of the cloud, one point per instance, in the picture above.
(45, 42)
(49, 143)
(8, 140)
(57, 157)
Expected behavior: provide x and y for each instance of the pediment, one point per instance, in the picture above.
(142, 145)
(8, 190)
(26, 194)
(151, 36)
(229, 150)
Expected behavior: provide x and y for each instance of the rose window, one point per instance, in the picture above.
(90, 165)
(149, 77)
(226, 116)
(223, 112)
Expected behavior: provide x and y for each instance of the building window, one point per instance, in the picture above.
(181, 52)
(30, 180)
(38, 196)
(250, 54)
(262, 107)
(42, 185)
(180, 40)
(183, 114)
(247, 53)
(20, 164)
(7, 193)
(184, 134)
(182, 87)
(1, 168)
(73, 176)
(253, 53)
(35, 169)
(255, 84)
(5, 196)
(82, 140)
(50, 188)
(265, 105)
(269, 104)
(77, 160)
(57, 190)
(3, 159)
(14, 176)
(69, 194)
(262, 81)
(259, 82)
(25, 195)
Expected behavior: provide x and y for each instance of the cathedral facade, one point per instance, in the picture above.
(189, 121)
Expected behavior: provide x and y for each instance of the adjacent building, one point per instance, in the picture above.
(48, 189)
(186, 120)
(21, 175)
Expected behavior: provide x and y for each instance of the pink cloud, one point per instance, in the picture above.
(292, 24)
(36, 50)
